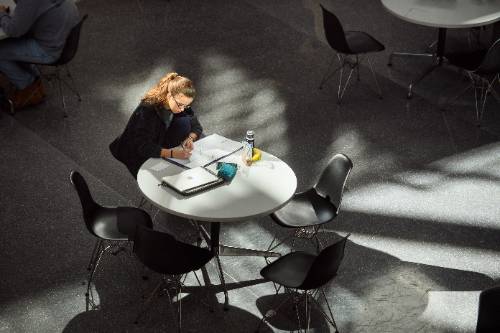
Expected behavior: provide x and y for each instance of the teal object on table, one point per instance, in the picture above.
(227, 171)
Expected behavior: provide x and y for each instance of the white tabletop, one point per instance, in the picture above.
(445, 13)
(256, 190)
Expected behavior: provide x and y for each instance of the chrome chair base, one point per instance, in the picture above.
(308, 298)
(482, 88)
(353, 64)
(308, 233)
(166, 284)
(58, 77)
(100, 249)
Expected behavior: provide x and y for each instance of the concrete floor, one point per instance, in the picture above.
(421, 202)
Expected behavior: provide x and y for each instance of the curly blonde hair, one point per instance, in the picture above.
(173, 83)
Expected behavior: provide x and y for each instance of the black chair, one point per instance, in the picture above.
(489, 309)
(173, 259)
(305, 274)
(112, 226)
(67, 54)
(309, 210)
(483, 70)
(350, 47)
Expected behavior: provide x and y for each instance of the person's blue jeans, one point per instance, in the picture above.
(15, 50)
(179, 129)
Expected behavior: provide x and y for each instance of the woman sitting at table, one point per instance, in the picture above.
(163, 125)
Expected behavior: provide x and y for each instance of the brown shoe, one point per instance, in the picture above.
(6, 105)
(29, 96)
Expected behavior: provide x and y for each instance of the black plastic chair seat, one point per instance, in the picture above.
(489, 305)
(108, 223)
(291, 270)
(304, 273)
(162, 253)
(361, 42)
(469, 61)
(119, 223)
(305, 209)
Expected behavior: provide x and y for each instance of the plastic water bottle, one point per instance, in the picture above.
(250, 139)
(249, 144)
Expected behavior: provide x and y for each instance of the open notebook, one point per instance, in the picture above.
(192, 181)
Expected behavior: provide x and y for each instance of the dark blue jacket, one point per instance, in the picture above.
(145, 136)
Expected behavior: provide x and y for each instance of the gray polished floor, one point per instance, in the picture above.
(422, 203)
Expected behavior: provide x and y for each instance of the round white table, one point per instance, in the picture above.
(442, 14)
(445, 13)
(256, 190)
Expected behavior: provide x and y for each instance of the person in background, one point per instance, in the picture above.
(163, 125)
(36, 32)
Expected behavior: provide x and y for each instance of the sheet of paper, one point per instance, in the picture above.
(160, 166)
(208, 149)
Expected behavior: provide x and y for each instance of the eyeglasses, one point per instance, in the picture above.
(180, 105)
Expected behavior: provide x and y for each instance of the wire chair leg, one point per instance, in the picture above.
(147, 302)
(297, 310)
(329, 74)
(374, 76)
(476, 88)
(308, 311)
(345, 86)
(273, 246)
(94, 252)
(330, 319)
(94, 266)
(482, 102)
(59, 86)
(451, 100)
(179, 307)
(357, 67)
(340, 81)
(488, 89)
(89, 297)
(73, 84)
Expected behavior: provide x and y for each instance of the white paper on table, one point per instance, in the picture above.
(208, 149)
(160, 166)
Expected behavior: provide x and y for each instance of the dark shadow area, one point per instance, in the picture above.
(119, 293)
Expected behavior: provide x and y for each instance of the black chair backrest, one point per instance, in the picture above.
(89, 206)
(71, 44)
(162, 253)
(332, 181)
(325, 266)
(334, 32)
(489, 309)
(491, 61)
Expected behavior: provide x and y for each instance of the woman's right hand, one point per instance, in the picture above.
(182, 154)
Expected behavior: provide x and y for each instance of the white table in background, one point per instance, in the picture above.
(256, 190)
(442, 14)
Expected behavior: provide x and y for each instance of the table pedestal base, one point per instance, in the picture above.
(438, 57)
(219, 250)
